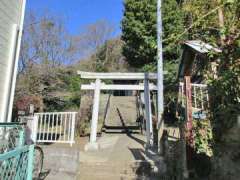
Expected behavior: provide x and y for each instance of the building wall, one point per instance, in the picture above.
(11, 20)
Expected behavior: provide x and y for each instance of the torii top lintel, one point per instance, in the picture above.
(117, 75)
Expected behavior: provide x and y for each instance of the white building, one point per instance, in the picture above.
(11, 25)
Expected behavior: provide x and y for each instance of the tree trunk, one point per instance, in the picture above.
(221, 22)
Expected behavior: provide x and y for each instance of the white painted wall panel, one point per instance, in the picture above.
(10, 15)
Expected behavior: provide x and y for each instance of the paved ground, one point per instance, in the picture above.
(116, 147)
(122, 156)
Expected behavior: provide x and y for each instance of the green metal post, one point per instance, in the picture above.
(30, 162)
(18, 157)
(21, 138)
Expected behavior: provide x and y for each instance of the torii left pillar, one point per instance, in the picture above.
(93, 145)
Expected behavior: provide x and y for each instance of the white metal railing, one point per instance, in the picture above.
(200, 96)
(54, 127)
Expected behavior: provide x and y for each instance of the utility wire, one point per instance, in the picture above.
(176, 38)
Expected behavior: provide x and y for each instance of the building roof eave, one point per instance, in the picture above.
(191, 48)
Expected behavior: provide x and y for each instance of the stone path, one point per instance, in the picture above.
(122, 111)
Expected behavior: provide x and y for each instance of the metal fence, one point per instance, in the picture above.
(11, 136)
(200, 97)
(54, 127)
(16, 159)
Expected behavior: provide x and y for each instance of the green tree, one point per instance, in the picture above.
(139, 32)
(139, 27)
(109, 57)
(210, 21)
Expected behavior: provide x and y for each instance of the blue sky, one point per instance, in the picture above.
(78, 13)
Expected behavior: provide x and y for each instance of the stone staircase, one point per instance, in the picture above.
(121, 157)
(60, 163)
(121, 115)
(140, 170)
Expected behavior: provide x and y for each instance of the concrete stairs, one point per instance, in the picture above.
(117, 171)
(60, 163)
(121, 157)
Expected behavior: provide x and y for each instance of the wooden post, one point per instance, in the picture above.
(189, 118)
(183, 160)
(187, 138)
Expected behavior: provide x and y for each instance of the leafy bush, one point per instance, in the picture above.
(203, 138)
(225, 90)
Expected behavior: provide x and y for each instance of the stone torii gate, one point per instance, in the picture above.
(98, 85)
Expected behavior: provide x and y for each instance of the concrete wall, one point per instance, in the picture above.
(11, 22)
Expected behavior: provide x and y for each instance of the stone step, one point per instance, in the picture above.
(107, 173)
(111, 176)
(122, 111)
(56, 175)
(120, 129)
(61, 159)
(122, 169)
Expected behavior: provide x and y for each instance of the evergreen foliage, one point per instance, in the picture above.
(139, 32)
(139, 26)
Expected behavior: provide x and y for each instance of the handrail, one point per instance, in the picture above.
(14, 153)
(20, 155)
